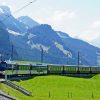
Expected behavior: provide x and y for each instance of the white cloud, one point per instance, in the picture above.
(61, 16)
(96, 24)
(3, 3)
(63, 20)
(91, 33)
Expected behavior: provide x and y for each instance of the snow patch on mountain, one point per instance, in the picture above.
(30, 36)
(61, 48)
(29, 42)
(38, 46)
(13, 32)
(1, 10)
(62, 35)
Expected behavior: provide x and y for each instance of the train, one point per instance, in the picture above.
(46, 69)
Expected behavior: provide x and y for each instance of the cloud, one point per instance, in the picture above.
(61, 16)
(62, 20)
(3, 3)
(96, 25)
(88, 35)
(92, 32)
(73, 23)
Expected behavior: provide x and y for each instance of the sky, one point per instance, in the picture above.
(78, 18)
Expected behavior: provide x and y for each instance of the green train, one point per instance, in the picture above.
(72, 69)
(39, 69)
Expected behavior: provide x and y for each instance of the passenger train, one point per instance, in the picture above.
(44, 69)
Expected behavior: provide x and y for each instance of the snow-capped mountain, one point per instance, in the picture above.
(29, 39)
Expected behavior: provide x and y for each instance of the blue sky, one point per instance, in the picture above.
(78, 18)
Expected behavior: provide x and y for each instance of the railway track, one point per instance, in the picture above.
(4, 96)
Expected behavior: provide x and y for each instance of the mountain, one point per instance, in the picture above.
(59, 45)
(10, 22)
(34, 42)
(5, 44)
(4, 38)
(28, 21)
(5, 10)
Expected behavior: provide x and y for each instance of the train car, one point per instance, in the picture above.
(55, 69)
(38, 69)
(84, 70)
(26, 69)
(95, 70)
(70, 69)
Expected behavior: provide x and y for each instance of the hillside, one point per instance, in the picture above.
(58, 88)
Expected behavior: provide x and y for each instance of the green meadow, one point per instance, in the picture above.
(57, 88)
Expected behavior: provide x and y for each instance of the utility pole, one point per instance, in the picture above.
(1, 57)
(78, 59)
(78, 62)
(67, 58)
(12, 49)
(98, 59)
(41, 54)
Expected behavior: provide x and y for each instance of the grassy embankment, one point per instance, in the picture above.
(57, 88)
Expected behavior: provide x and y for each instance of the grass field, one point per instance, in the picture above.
(57, 88)
(27, 62)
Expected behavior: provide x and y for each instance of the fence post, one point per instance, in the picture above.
(68, 94)
(49, 94)
(92, 95)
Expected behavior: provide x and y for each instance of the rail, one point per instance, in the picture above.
(6, 97)
(19, 88)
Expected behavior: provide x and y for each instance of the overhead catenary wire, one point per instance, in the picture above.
(24, 6)
(18, 10)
